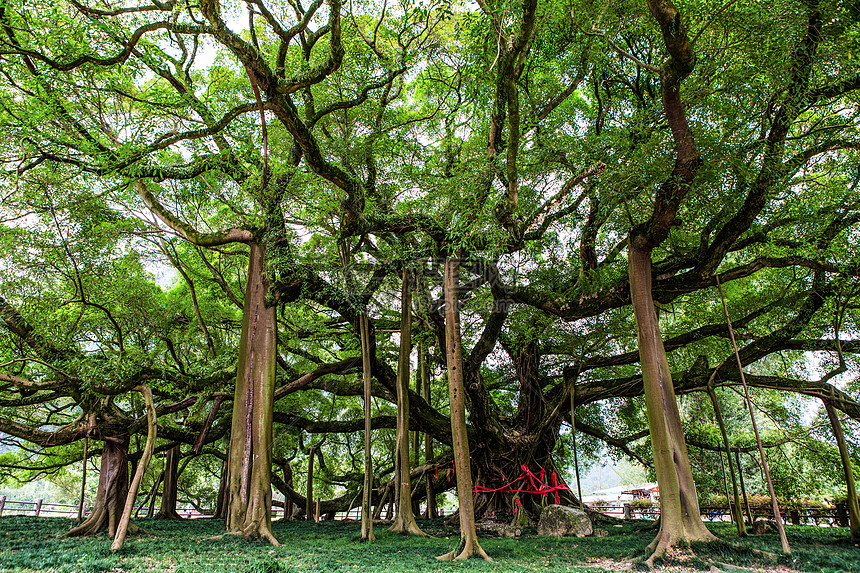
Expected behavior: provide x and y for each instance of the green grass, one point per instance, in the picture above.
(35, 544)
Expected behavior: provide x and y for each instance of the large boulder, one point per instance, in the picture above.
(560, 520)
(763, 525)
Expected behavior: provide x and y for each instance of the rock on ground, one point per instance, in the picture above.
(560, 520)
(499, 529)
(763, 525)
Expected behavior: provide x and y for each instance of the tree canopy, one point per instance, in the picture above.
(597, 170)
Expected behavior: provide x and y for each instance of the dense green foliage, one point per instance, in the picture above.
(148, 149)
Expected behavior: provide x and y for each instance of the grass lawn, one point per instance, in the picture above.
(34, 544)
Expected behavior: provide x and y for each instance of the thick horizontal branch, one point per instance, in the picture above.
(185, 230)
(335, 368)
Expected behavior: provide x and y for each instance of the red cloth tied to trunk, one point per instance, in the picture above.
(532, 484)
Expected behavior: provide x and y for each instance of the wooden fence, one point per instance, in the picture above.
(40, 508)
(802, 516)
(37, 508)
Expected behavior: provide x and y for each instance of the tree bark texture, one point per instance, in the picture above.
(170, 491)
(249, 481)
(457, 394)
(111, 492)
(404, 518)
(680, 521)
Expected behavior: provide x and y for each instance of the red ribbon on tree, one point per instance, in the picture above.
(538, 485)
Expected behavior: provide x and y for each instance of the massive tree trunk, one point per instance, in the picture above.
(528, 441)
(249, 481)
(404, 519)
(460, 441)
(112, 490)
(169, 493)
(505, 470)
(680, 521)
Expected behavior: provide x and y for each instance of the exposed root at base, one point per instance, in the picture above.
(664, 542)
(410, 529)
(270, 537)
(659, 547)
(253, 531)
(469, 549)
(95, 525)
(677, 551)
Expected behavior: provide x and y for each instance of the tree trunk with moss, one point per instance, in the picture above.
(469, 545)
(112, 490)
(249, 479)
(680, 521)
